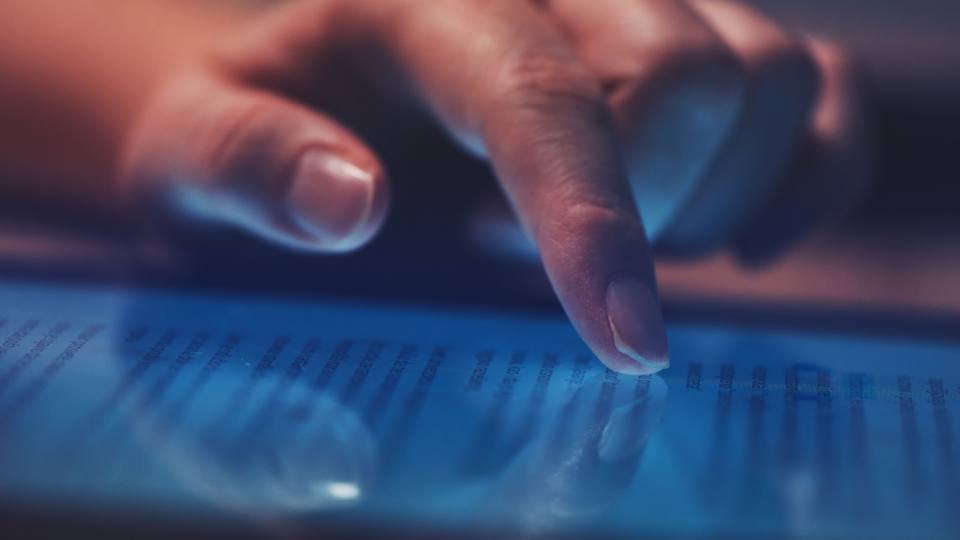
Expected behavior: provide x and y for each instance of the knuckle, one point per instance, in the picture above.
(532, 80)
(591, 218)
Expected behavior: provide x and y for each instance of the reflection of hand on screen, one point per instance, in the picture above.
(580, 466)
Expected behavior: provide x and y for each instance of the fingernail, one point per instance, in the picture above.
(331, 198)
(637, 325)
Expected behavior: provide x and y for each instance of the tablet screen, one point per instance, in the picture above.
(335, 416)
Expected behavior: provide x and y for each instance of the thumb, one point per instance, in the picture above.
(215, 151)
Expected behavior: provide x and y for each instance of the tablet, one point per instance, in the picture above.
(228, 414)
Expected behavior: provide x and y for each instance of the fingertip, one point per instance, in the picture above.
(631, 364)
(636, 323)
(339, 202)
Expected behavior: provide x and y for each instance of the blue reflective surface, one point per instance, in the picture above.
(317, 415)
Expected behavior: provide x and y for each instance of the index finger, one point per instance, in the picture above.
(501, 77)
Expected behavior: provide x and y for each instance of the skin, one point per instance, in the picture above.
(718, 125)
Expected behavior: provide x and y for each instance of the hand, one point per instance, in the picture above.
(698, 113)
